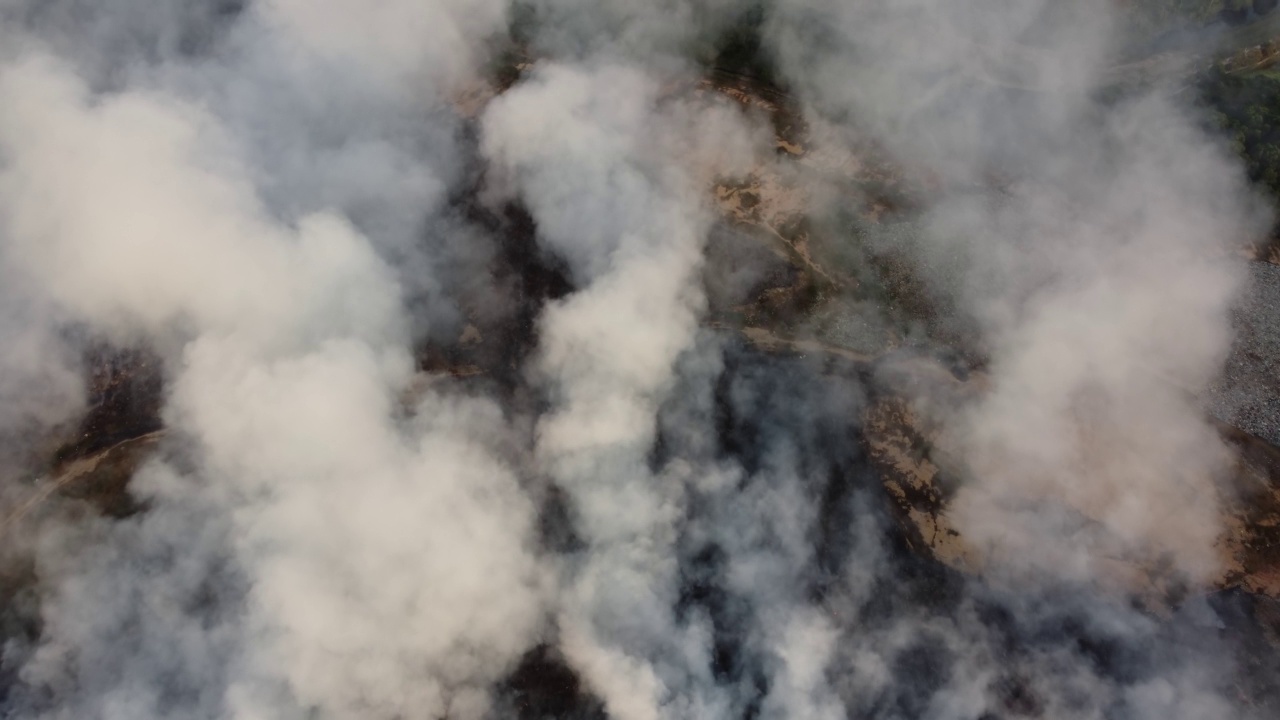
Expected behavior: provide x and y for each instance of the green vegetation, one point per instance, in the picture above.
(1147, 19)
(1247, 108)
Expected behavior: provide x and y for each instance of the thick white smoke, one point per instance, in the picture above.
(595, 158)
(1100, 278)
(279, 200)
(387, 560)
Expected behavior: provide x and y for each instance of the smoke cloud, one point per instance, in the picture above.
(592, 154)
(1097, 280)
(320, 220)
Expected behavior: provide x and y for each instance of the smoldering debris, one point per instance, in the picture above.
(728, 359)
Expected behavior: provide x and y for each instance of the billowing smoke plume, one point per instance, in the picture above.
(1098, 278)
(381, 561)
(310, 214)
(598, 159)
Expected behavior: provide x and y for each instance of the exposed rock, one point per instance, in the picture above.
(1248, 394)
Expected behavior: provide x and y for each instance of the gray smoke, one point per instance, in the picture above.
(600, 164)
(380, 558)
(286, 202)
(1099, 279)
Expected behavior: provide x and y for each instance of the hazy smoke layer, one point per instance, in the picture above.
(595, 156)
(1098, 277)
(292, 204)
(383, 561)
